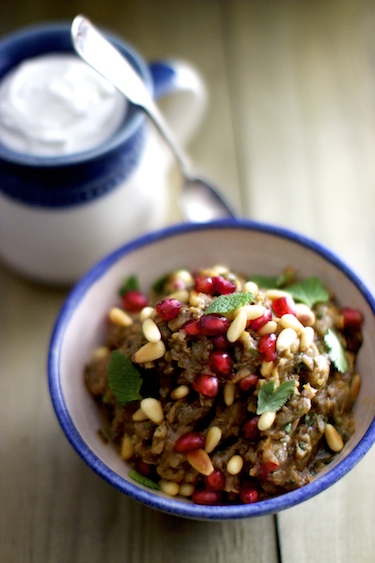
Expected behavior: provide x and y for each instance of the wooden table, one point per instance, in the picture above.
(290, 136)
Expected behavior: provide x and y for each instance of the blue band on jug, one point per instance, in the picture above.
(72, 184)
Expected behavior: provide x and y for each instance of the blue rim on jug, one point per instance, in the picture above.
(69, 179)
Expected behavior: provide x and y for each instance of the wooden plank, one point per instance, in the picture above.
(302, 96)
(53, 508)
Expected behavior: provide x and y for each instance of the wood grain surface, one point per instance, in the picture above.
(289, 136)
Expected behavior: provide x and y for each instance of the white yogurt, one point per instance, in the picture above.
(55, 105)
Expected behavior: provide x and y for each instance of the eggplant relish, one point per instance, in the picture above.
(227, 389)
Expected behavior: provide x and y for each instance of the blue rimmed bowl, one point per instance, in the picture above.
(243, 246)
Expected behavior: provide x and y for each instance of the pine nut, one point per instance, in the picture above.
(180, 392)
(213, 438)
(180, 279)
(274, 294)
(290, 321)
(151, 330)
(229, 393)
(219, 269)
(127, 448)
(304, 314)
(334, 440)
(268, 328)
(119, 317)
(181, 294)
(149, 352)
(100, 353)
(285, 339)
(237, 326)
(152, 407)
(266, 369)
(355, 386)
(266, 420)
(251, 287)
(307, 338)
(186, 489)
(200, 460)
(139, 416)
(235, 465)
(170, 488)
(254, 311)
(245, 338)
(147, 313)
(195, 299)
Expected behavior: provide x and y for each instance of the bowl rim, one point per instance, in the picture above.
(146, 496)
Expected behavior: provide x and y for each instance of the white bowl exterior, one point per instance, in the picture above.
(243, 248)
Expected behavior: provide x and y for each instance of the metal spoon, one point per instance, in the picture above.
(199, 200)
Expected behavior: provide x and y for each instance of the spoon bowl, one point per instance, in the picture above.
(199, 200)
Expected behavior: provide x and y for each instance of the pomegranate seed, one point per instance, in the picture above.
(221, 363)
(256, 324)
(250, 429)
(266, 468)
(267, 347)
(248, 382)
(144, 468)
(207, 385)
(134, 301)
(214, 325)
(249, 494)
(215, 481)
(284, 305)
(204, 284)
(203, 496)
(220, 343)
(223, 286)
(352, 318)
(168, 309)
(192, 327)
(189, 441)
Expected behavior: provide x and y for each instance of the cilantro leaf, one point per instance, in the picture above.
(129, 284)
(336, 350)
(309, 291)
(227, 303)
(124, 379)
(144, 480)
(271, 400)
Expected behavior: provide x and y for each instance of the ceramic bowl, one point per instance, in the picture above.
(242, 246)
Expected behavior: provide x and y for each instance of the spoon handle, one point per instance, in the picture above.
(100, 54)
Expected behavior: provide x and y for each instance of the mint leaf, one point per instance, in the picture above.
(309, 291)
(227, 303)
(129, 284)
(270, 282)
(336, 350)
(271, 400)
(124, 379)
(143, 480)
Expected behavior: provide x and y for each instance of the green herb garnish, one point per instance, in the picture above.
(270, 282)
(228, 303)
(143, 480)
(336, 350)
(131, 283)
(309, 291)
(158, 285)
(124, 379)
(272, 400)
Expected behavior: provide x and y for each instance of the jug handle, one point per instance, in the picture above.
(182, 96)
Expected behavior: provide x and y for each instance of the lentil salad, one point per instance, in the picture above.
(225, 390)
